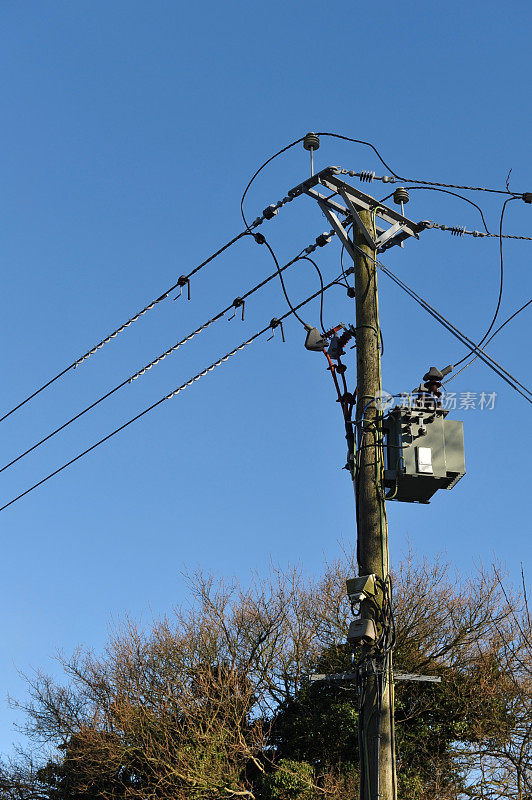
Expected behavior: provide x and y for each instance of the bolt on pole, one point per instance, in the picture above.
(376, 722)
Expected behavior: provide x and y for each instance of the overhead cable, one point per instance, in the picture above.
(461, 230)
(272, 325)
(239, 302)
(368, 177)
(493, 335)
(474, 348)
(501, 282)
(184, 280)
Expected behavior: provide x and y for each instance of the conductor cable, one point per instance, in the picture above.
(474, 348)
(173, 393)
(323, 238)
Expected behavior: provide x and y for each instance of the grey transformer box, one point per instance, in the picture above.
(423, 452)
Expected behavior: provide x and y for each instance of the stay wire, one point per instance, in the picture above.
(163, 399)
(163, 355)
(151, 305)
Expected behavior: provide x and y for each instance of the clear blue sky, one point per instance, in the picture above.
(129, 130)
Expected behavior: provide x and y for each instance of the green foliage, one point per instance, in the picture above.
(292, 780)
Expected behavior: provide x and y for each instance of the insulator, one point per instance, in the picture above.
(457, 231)
(269, 212)
(259, 238)
(401, 195)
(366, 176)
(311, 141)
(323, 239)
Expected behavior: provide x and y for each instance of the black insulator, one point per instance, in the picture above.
(311, 141)
(323, 239)
(259, 238)
(433, 374)
(269, 212)
(351, 291)
(401, 195)
(527, 197)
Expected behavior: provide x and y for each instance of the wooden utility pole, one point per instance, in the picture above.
(378, 780)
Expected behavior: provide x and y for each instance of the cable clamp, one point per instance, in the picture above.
(259, 238)
(275, 323)
(238, 302)
(181, 282)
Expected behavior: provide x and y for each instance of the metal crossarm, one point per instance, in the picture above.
(351, 677)
(398, 227)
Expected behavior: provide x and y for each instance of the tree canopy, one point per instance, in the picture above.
(214, 701)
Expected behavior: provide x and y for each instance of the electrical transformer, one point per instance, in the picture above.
(423, 451)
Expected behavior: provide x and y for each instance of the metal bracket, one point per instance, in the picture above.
(351, 677)
(398, 228)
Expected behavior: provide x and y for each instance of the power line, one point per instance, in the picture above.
(265, 164)
(491, 363)
(445, 191)
(274, 323)
(501, 282)
(184, 280)
(368, 177)
(239, 302)
(461, 230)
(493, 335)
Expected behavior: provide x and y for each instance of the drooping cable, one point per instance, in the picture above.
(168, 396)
(361, 141)
(320, 276)
(279, 272)
(445, 191)
(238, 302)
(501, 283)
(255, 174)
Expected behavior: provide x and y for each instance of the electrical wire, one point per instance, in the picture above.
(525, 305)
(165, 397)
(414, 180)
(474, 348)
(292, 309)
(171, 350)
(320, 276)
(501, 283)
(149, 307)
(279, 152)
(445, 191)
(367, 144)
